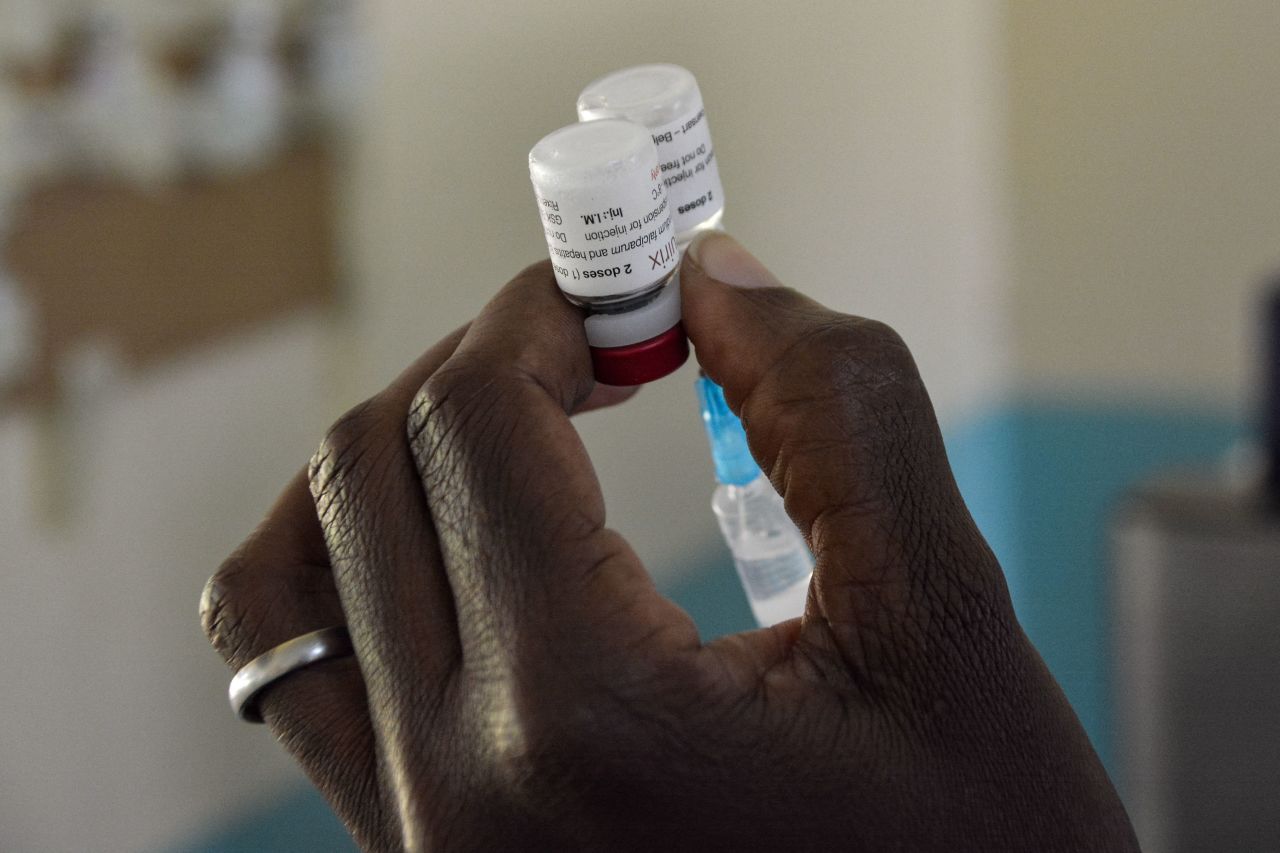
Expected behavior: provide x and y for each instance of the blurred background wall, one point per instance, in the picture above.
(1143, 163)
(1064, 210)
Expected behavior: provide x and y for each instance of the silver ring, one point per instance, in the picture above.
(271, 666)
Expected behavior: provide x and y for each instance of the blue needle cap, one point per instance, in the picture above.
(734, 464)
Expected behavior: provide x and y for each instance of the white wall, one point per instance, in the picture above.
(1146, 159)
(115, 733)
(860, 145)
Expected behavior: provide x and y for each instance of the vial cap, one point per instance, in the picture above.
(651, 95)
(735, 466)
(579, 155)
(644, 362)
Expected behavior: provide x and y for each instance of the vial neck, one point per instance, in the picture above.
(628, 302)
(748, 490)
(714, 222)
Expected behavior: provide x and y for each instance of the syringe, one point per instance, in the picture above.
(769, 552)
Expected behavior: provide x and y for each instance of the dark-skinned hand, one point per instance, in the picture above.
(519, 683)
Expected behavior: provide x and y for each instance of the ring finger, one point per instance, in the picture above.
(280, 584)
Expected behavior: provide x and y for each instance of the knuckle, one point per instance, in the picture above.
(224, 609)
(870, 355)
(843, 359)
(461, 398)
(879, 331)
(860, 377)
(460, 436)
(346, 456)
(259, 597)
(426, 410)
(845, 413)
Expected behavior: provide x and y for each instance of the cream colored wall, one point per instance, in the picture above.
(1146, 165)
(860, 145)
(115, 733)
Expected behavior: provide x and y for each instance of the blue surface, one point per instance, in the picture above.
(1068, 467)
(714, 598)
(984, 458)
(300, 822)
(1040, 480)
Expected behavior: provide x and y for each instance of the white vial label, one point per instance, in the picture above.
(609, 240)
(689, 170)
(604, 209)
(666, 99)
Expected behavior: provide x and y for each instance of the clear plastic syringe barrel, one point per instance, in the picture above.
(605, 213)
(769, 553)
(666, 100)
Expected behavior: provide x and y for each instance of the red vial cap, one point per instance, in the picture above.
(643, 362)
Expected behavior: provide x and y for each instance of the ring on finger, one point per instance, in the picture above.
(269, 667)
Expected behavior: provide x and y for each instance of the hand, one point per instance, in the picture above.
(520, 684)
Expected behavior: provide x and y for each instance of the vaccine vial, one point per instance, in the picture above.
(667, 101)
(769, 552)
(607, 221)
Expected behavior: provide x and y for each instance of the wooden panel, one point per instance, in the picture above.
(158, 273)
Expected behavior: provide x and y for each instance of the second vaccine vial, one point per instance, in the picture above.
(666, 100)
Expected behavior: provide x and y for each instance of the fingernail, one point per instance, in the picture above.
(724, 259)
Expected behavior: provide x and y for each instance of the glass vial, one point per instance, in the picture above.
(666, 100)
(607, 221)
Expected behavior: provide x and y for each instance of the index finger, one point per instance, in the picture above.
(514, 497)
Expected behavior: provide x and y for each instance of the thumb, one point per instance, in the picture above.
(837, 415)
